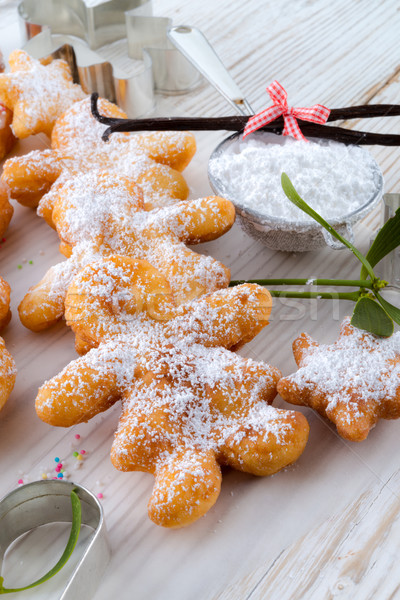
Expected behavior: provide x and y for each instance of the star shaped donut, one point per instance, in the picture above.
(153, 159)
(97, 214)
(353, 382)
(37, 94)
(189, 404)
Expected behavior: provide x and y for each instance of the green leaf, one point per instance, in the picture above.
(73, 538)
(299, 202)
(391, 310)
(387, 239)
(370, 316)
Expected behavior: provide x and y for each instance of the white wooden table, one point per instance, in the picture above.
(329, 526)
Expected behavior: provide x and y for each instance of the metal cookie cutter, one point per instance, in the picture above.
(43, 502)
(128, 30)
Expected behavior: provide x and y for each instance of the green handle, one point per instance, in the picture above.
(73, 538)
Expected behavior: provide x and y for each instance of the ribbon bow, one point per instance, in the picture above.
(278, 94)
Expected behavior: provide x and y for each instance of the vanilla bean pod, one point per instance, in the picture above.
(237, 123)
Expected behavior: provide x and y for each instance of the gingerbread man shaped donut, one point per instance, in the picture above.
(97, 214)
(154, 160)
(189, 404)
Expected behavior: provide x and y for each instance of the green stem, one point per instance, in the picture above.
(73, 538)
(299, 202)
(354, 296)
(332, 282)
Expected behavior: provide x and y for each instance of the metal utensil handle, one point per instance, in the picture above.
(196, 48)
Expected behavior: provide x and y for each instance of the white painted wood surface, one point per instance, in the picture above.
(328, 527)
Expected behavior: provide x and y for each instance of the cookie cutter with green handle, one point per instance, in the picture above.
(49, 501)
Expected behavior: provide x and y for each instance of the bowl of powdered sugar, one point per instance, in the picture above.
(342, 183)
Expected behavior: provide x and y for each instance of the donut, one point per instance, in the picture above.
(189, 404)
(37, 94)
(353, 382)
(97, 214)
(154, 160)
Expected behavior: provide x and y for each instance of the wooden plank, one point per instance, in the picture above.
(261, 532)
(352, 554)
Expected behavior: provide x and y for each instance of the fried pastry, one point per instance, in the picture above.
(6, 210)
(7, 138)
(97, 214)
(7, 365)
(189, 404)
(353, 382)
(5, 313)
(37, 94)
(154, 160)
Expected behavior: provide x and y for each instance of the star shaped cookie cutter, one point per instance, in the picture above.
(43, 502)
(62, 28)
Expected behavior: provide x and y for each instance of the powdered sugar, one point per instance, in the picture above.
(41, 93)
(129, 154)
(195, 375)
(100, 214)
(189, 404)
(359, 366)
(333, 178)
(208, 395)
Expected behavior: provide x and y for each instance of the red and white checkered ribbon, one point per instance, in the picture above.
(316, 114)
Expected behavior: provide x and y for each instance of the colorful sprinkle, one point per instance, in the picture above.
(77, 436)
(79, 457)
(60, 476)
(19, 267)
(20, 481)
(56, 459)
(75, 454)
(30, 262)
(100, 496)
(83, 451)
(44, 475)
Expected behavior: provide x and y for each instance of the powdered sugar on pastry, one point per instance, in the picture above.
(97, 214)
(37, 94)
(189, 404)
(354, 381)
(153, 159)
